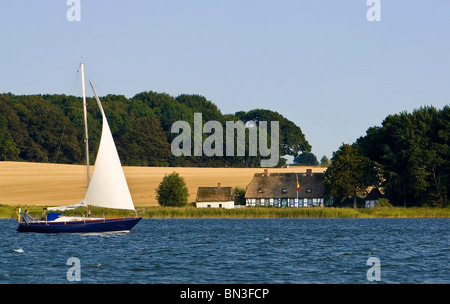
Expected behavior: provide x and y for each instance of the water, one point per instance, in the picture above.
(234, 251)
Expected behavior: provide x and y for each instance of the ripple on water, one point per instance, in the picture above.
(170, 251)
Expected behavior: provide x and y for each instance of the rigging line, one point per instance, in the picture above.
(74, 82)
(71, 91)
(60, 142)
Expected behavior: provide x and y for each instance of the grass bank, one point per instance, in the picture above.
(314, 212)
(254, 212)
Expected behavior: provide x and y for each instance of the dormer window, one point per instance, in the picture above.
(260, 190)
(284, 191)
(309, 190)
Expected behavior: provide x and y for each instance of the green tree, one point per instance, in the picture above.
(8, 149)
(412, 152)
(307, 159)
(239, 196)
(50, 128)
(200, 104)
(325, 162)
(292, 139)
(172, 191)
(349, 174)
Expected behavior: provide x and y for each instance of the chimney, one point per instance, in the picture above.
(219, 186)
(266, 172)
(308, 172)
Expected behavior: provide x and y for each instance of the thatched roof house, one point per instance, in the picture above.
(372, 198)
(280, 189)
(215, 197)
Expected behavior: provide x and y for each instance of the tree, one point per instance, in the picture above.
(200, 104)
(172, 191)
(412, 153)
(307, 159)
(349, 174)
(239, 196)
(324, 162)
(8, 149)
(50, 128)
(292, 139)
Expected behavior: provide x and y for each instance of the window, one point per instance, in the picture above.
(291, 202)
(220, 205)
(276, 202)
(371, 203)
(284, 190)
(260, 190)
(309, 190)
(263, 202)
(315, 202)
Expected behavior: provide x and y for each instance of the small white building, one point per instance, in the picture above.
(215, 197)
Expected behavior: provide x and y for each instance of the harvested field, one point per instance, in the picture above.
(43, 184)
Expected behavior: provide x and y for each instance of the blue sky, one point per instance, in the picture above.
(320, 63)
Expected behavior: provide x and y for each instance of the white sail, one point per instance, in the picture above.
(108, 187)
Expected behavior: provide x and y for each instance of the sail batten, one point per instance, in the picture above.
(108, 187)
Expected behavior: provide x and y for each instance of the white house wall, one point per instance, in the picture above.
(288, 202)
(226, 205)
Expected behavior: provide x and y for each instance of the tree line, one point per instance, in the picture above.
(407, 157)
(50, 128)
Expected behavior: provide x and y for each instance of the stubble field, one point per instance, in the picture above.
(43, 184)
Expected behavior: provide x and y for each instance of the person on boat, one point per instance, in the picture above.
(27, 218)
(44, 214)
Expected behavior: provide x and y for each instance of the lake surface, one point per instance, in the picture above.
(234, 251)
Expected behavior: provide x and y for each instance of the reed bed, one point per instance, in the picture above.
(313, 212)
(7, 211)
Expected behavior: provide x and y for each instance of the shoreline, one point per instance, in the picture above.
(8, 212)
(34, 186)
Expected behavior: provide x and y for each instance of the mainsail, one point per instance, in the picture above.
(108, 187)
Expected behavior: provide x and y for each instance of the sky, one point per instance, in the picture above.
(320, 63)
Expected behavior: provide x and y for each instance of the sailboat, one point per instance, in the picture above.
(107, 188)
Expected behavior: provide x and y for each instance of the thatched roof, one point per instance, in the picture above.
(215, 194)
(284, 185)
(374, 195)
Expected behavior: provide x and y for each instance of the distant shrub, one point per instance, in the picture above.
(239, 196)
(384, 202)
(172, 191)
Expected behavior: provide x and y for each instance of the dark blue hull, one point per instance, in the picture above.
(81, 226)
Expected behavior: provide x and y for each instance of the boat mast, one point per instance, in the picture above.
(86, 138)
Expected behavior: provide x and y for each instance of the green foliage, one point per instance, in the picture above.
(383, 203)
(239, 196)
(292, 139)
(50, 128)
(306, 159)
(172, 191)
(408, 156)
(349, 174)
(253, 212)
(412, 154)
(8, 149)
(324, 161)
